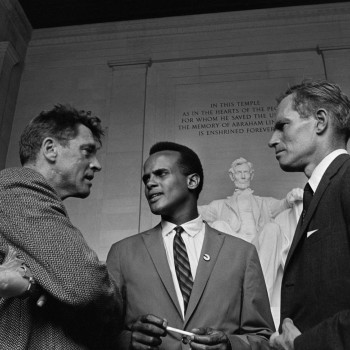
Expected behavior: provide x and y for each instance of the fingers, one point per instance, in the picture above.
(274, 336)
(147, 332)
(12, 262)
(290, 329)
(12, 284)
(26, 273)
(155, 320)
(288, 326)
(287, 322)
(150, 324)
(41, 301)
(274, 340)
(199, 331)
(285, 340)
(208, 338)
(140, 341)
(11, 254)
(22, 269)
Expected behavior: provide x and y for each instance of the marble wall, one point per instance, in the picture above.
(208, 81)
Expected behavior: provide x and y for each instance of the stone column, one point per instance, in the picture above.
(8, 62)
(124, 149)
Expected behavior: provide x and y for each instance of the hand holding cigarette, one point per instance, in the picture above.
(147, 331)
(210, 338)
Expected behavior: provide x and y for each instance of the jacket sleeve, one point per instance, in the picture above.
(34, 222)
(114, 266)
(256, 324)
(333, 333)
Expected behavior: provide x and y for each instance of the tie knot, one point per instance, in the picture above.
(308, 189)
(179, 230)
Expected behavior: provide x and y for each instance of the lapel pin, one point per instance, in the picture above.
(206, 257)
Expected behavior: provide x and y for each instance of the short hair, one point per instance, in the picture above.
(309, 96)
(240, 161)
(61, 123)
(188, 162)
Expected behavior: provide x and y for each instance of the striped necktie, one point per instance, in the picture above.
(182, 266)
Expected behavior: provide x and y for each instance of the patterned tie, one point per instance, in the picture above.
(182, 266)
(307, 197)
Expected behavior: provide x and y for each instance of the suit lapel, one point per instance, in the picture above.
(212, 244)
(326, 178)
(154, 243)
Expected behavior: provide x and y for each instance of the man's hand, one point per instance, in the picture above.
(209, 339)
(16, 278)
(147, 332)
(295, 195)
(12, 272)
(285, 340)
(42, 300)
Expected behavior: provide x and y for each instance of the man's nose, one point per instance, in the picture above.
(151, 182)
(274, 140)
(95, 165)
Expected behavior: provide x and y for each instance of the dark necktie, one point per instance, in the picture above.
(182, 266)
(307, 197)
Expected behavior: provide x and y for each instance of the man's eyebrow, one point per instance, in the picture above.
(90, 146)
(155, 172)
(159, 170)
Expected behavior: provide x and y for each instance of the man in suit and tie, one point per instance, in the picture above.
(311, 133)
(192, 277)
(58, 153)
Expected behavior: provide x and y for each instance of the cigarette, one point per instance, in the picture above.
(176, 330)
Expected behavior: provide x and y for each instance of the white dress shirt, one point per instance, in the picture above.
(321, 168)
(193, 237)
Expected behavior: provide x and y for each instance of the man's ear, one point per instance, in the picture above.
(49, 149)
(193, 181)
(322, 120)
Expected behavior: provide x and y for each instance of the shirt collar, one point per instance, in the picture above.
(191, 227)
(321, 168)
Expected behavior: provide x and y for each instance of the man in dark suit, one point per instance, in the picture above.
(311, 133)
(191, 276)
(58, 153)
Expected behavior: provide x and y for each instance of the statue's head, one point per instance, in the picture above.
(241, 173)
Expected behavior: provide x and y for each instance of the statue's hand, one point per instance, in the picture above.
(295, 195)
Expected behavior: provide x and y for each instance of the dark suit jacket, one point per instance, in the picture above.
(82, 300)
(229, 292)
(316, 282)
